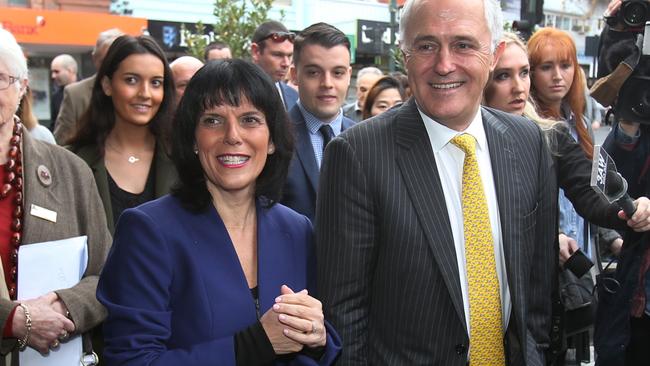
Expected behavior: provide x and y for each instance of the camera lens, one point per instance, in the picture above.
(634, 13)
(634, 97)
(642, 105)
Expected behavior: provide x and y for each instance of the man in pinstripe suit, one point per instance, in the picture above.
(389, 234)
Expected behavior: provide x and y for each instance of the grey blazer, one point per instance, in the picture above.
(73, 195)
(387, 268)
(76, 99)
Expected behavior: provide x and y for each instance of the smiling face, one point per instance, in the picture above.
(552, 78)
(385, 100)
(510, 84)
(323, 77)
(136, 89)
(448, 57)
(233, 143)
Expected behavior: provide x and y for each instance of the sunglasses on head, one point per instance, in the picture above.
(280, 37)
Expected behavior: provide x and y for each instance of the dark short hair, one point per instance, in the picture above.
(321, 34)
(229, 82)
(99, 119)
(216, 45)
(264, 30)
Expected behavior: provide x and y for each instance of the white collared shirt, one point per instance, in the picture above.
(279, 88)
(449, 160)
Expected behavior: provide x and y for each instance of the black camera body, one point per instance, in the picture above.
(629, 41)
(632, 14)
(634, 97)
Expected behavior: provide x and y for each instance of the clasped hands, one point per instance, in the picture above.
(49, 322)
(294, 321)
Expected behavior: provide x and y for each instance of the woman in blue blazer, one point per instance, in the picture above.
(217, 273)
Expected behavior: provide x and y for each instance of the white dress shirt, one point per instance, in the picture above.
(449, 160)
(279, 88)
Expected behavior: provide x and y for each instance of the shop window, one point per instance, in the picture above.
(550, 20)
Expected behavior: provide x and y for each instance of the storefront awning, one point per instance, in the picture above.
(52, 27)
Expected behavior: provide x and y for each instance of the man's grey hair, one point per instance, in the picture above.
(106, 36)
(68, 62)
(370, 70)
(493, 17)
(12, 56)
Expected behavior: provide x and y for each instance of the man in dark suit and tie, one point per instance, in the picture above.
(436, 220)
(272, 50)
(322, 72)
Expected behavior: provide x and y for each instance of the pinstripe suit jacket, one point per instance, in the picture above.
(387, 269)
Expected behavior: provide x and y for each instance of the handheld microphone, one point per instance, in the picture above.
(616, 188)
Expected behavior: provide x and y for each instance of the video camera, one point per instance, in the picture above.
(624, 60)
(633, 14)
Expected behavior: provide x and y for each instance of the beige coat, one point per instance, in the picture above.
(72, 194)
(76, 99)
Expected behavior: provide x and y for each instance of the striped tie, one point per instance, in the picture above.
(486, 335)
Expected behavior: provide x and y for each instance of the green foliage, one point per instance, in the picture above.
(196, 42)
(235, 24)
(398, 59)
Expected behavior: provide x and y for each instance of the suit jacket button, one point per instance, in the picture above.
(461, 349)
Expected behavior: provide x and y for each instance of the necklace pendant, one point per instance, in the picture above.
(132, 159)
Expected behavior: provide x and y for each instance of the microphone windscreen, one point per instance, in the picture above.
(614, 183)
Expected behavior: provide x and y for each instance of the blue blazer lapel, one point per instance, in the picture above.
(506, 182)
(304, 149)
(289, 96)
(420, 173)
(273, 249)
(215, 250)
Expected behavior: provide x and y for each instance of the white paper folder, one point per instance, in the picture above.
(46, 267)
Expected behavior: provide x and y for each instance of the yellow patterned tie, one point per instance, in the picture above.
(486, 335)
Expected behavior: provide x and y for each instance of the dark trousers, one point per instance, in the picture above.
(638, 352)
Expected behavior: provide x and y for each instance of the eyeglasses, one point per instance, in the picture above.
(280, 37)
(6, 80)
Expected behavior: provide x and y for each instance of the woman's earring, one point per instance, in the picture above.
(271, 149)
(196, 150)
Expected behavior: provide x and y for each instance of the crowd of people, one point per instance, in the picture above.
(239, 212)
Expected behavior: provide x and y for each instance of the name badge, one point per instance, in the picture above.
(43, 213)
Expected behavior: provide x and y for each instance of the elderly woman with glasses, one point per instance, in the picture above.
(46, 194)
